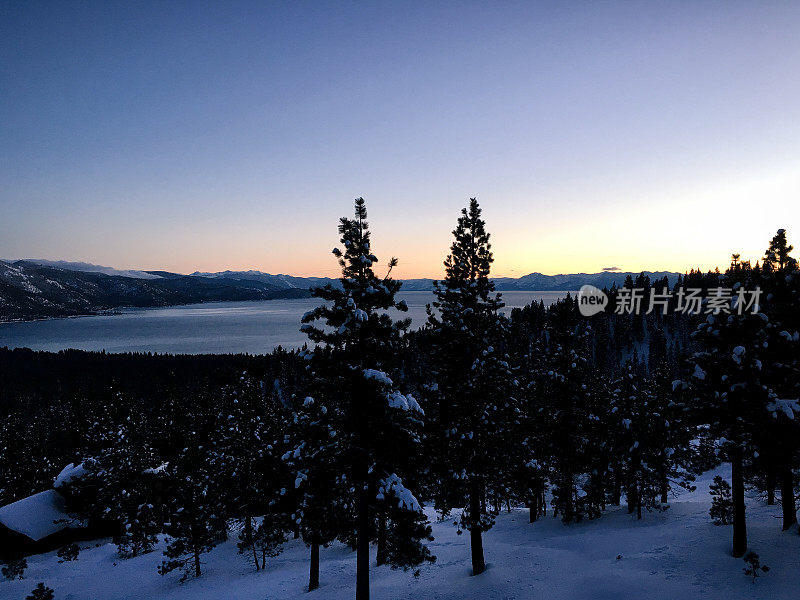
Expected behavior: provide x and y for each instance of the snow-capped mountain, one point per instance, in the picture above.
(90, 268)
(530, 282)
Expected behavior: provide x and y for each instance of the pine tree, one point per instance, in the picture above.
(721, 510)
(116, 485)
(196, 505)
(474, 388)
(41, 592)
(375, 423)
(321, 486)
(248, 448)
(15, 569)
(68, 553)
(777, 254)
(406, 525)
(779, 445)
(670, 451)
(653, 441)
(754, 567)
(729, 382)
(528, 480)
(632, 401)
(568, 390)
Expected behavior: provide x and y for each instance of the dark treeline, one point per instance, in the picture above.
(476, 412)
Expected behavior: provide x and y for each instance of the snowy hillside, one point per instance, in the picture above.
(678, 554)
(30, 290)
(92, 268)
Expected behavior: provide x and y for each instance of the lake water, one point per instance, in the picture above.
(219, 327)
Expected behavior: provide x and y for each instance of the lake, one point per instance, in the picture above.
(214, 328)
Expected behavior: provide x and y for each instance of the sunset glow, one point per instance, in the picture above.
(587, 135)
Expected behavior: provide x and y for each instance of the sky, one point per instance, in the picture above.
(212, 136)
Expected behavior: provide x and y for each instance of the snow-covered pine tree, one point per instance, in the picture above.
(15, 568)
(670, 433)
(41, 592)
(597, 430)
(375, 423)
(402, 526)
(646, 439)
(322, 502)
(474, 387)
(195, 501)
(728, 386)
(780, 439)
(721, 510)
(249, 441)
(567, 393)
(528, 479)
(114, 483)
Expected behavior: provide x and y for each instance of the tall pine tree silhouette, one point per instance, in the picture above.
(374, 423)
(474, 385)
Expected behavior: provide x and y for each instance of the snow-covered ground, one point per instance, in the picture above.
(677, 555)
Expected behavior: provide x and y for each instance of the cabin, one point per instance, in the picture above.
(42, 522)
(38, 523)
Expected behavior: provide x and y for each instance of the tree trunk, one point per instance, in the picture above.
(771, 485)
(313, 571)
(630, 496)
(616, 495)
(381, 559)
(533, 507)
(787, 497)
(737, 491)
(248, 530)
(248, 539)
(476, 541)
(362, 547)
(569, 509)
(536, 506)
(664, 490)
(197, 562)
(603, 492)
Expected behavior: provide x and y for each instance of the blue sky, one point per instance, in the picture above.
(233, 135)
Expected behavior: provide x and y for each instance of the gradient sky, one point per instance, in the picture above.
(232, 135)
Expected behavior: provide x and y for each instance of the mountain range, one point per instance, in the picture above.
(31, 290)
(532, 282)
(35, 289)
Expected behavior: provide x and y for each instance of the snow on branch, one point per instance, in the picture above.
(378, 376)
(393, 486)
(790, 408)
(404, 402)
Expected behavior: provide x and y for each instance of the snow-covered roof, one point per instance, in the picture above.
(38, 516)
(69, 473)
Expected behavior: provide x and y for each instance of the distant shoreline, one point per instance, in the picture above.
(116, 311)
(218, 327)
